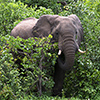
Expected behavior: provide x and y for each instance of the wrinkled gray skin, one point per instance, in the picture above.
(67, 31)
(24, 28)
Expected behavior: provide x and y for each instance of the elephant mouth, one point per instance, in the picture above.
(62, 58)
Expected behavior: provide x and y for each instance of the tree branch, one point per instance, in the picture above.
(40, 76)
(27, 55)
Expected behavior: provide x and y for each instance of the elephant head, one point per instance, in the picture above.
(67, 31)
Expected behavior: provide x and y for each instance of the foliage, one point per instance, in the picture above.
(45, 97)
(12, 83)
(50, 4)
(56, 5)
(82, 82)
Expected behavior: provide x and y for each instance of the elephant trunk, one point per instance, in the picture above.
(69, 53)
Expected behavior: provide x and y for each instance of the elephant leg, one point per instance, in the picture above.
(59, 76)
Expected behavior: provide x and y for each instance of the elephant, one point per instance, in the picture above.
(67, 31)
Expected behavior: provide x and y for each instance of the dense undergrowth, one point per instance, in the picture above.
(82, 82)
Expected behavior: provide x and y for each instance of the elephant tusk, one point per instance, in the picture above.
(81, 51)
(59, 53)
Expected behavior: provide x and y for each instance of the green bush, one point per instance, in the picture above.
(82, 82)
(50, 4)
(56, 5)
(12, 84)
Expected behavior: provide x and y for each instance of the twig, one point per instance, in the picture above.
(40, 76)
(72, 96)
(27, 55)
(4, 26)
(29, 69)
(31, 87)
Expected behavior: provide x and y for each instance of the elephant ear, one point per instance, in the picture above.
(79, 29)
(44, 25)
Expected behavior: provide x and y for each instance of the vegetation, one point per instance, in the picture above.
(82, 82)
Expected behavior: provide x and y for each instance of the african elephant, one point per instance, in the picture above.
(67, 31)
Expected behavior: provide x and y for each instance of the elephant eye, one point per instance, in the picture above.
(76, 32)
(56, 33)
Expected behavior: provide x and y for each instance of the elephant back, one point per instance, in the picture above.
(24, 28)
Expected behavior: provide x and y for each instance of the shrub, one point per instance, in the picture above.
(83, 81)
(50, 4)
(12, 83)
